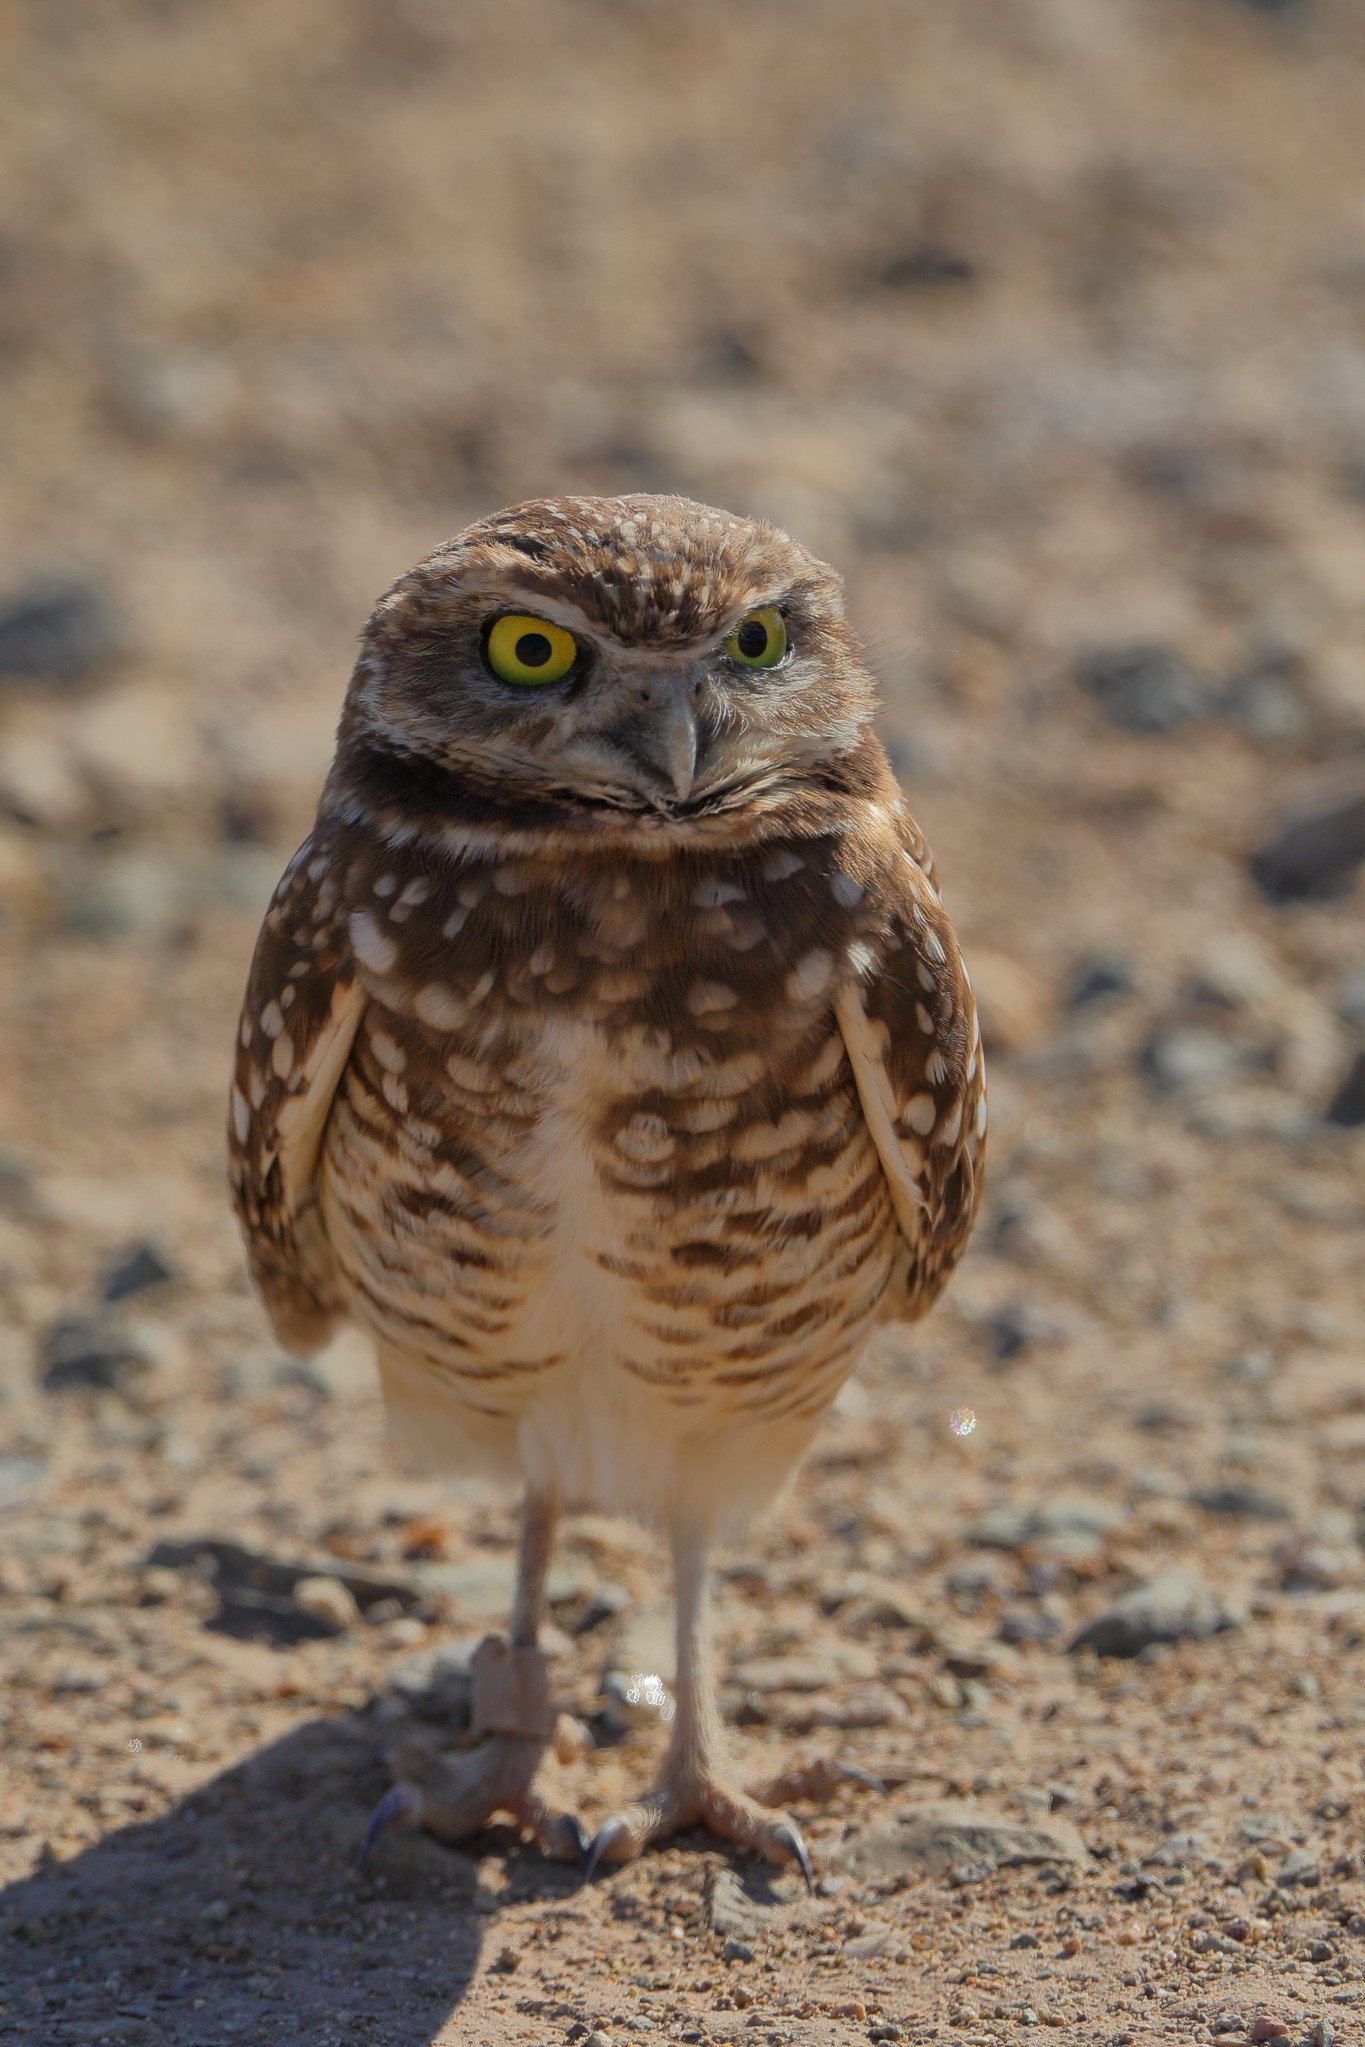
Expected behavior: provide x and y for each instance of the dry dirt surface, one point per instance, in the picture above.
(1045, 321)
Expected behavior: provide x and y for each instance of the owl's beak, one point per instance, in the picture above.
(659, 739)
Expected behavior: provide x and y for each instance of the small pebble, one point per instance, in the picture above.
(135, 1271)
(1176, 1606)
(1316, 847)
(327, 1599)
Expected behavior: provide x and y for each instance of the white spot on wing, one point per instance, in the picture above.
(811, 976)
(705, 997)
(920, 1112)
(713, 894)
(390, 1055)
(372, 946)
(438, 1006)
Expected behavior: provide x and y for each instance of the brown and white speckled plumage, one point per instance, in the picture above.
(618, 1095)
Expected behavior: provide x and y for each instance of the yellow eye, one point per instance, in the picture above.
(760, 640)
(530, 650)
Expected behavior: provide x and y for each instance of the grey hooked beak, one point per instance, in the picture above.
(661, 738)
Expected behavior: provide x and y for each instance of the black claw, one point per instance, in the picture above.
(579, 1838)
(789, 1835)
(598, 1846)
(858, 1775)
(394, 1809)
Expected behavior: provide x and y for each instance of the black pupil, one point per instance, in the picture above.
(533, 650)
(752, 639)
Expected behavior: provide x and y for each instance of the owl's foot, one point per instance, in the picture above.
(453, 1795)
(698, 1797)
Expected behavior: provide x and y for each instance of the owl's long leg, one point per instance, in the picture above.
(453, 1795)
(691, 1790)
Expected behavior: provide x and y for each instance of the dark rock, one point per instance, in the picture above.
(59, 629)
(136, 1270)
(1174, 1607)
(1099, 977)
(91, 1353)
(923, 264)
(1019, 1326)
(245, 818)
(606, 1602)
(1022, 1625)
(730, 355)
(1348, 1104)
(1236, 1500)
(1315, 847)
(1143, 688)
(1162, 1418)
(948, 1834)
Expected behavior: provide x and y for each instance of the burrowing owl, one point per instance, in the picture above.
(608, 1056)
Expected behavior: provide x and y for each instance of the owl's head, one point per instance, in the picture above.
(635, 660)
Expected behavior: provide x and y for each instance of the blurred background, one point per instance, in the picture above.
(1046, 324)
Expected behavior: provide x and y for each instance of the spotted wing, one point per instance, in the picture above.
(909, 1025)
(299, 1017)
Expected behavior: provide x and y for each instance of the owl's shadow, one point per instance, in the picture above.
(238, 1915)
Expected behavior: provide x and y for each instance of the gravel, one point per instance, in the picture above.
(269, 327)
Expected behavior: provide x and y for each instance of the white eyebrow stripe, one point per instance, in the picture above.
(513, 596)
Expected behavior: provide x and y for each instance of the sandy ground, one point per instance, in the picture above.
(1045, 323)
